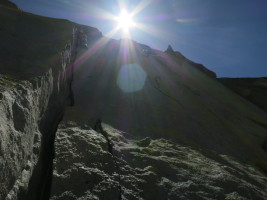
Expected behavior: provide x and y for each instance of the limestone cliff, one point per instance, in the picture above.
(118, 120)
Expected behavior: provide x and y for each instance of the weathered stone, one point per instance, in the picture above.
(28, 90)
(181, 135)
(160, 169)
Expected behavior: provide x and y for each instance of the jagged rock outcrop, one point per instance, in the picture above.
(253, 89)
(170, 50)
(86, 168)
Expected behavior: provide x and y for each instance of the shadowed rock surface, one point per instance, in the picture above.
(9, 4)
(142, 123)
(253, 89)
(176, 109)
(175, 100)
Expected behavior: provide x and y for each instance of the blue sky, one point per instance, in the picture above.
(227, 36)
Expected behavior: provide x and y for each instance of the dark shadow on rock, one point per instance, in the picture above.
(264, 146)
(40, 183)
(98, 126)
(9, 4)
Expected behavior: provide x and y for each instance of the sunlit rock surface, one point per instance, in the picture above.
(86, 168)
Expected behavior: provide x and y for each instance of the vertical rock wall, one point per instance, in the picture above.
(25, 107)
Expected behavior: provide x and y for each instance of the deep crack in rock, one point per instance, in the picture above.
(98, 127)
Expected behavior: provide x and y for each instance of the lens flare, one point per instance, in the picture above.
(125, 21)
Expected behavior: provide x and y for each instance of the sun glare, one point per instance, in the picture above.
(125, 21)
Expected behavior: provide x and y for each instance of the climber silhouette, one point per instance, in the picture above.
(98, 125)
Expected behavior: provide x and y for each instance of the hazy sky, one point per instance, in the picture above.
(227, 36)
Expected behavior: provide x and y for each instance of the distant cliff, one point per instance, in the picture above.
(253, 89)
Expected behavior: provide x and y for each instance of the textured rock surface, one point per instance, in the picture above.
(33, 88)
(175, 101)
(181, 135)
(86, 168)
(253, 89)
(178, 133)
(23, 105)
(83, 166)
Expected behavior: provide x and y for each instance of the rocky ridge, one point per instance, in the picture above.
(182, 58)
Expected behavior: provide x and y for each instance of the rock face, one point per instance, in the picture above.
(9, 4)
(33, 90)
(253, 89)
(175, 133)
(146, 95)
(87, 167)
(35, 80)
(142, 124)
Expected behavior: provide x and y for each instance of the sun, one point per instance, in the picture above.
(125, 21)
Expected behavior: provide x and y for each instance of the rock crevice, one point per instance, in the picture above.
(98, 127)
(33, 95)
(148, 169)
